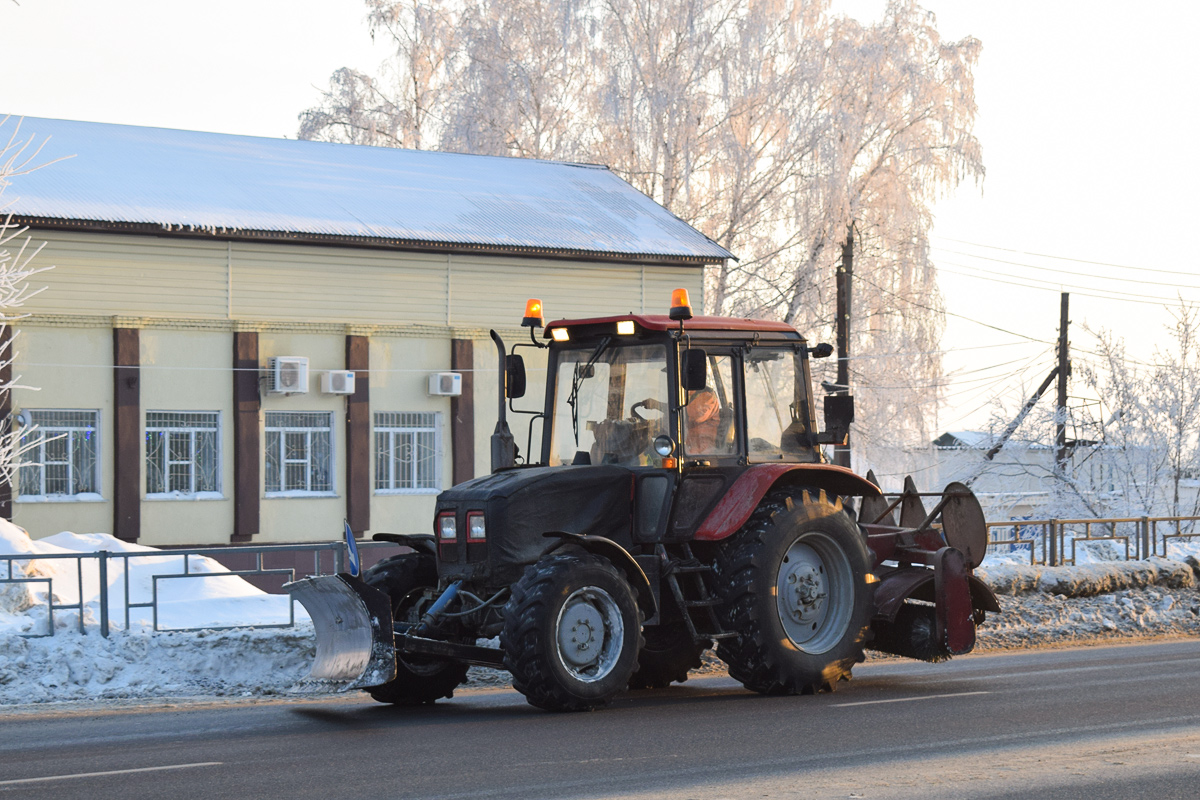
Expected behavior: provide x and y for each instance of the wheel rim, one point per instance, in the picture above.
(589, 634)
(814, 592)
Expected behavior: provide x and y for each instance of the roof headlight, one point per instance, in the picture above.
(625, 327)
(559, 334)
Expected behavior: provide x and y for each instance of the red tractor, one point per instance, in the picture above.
(679, 497)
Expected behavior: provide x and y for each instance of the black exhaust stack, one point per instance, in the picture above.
(504, 447)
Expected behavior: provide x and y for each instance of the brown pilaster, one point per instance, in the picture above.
(7, 423)
(358, 436)
(462, 411)
(127, 424)
(247, 451)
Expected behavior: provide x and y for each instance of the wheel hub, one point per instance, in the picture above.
(581, 634)
(807, 592)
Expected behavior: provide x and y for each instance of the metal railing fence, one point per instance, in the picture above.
(99, 564)
(1056, 542)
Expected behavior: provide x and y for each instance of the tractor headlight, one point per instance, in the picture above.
(447, 527)
(663, 445)
(476, 529)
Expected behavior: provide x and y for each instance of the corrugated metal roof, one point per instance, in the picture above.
(222, 183)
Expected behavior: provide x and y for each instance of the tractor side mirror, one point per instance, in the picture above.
(694, 369)
(839, 413)
(514, 376)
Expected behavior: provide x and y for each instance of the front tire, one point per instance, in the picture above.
(794, 585)
(404, 578)
(572, 630)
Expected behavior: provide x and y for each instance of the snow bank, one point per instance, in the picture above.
(139, 662)
(1086, 580)
(213, 598)
(71, 666)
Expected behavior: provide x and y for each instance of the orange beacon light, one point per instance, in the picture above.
(681, 306)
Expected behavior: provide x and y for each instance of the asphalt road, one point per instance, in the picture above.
(1112, 722)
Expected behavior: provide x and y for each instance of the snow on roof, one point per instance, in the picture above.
(971, 439)
(223, 184)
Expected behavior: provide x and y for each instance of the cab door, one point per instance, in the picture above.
(712, 450)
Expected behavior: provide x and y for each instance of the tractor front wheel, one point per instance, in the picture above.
(406, 579)
(572, 630)
(794, 584)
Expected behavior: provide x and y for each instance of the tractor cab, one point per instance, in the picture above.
(678, 392)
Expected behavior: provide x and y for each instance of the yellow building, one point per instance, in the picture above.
(250, 340)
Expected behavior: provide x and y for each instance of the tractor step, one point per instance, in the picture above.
(687, 577)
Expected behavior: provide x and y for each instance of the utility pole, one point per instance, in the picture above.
(845, 273)
(1064, 372)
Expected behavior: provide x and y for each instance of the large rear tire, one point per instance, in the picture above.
(794, 585)
(572, 630)
(405, 578)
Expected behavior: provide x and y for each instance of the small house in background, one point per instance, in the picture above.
(249, 340)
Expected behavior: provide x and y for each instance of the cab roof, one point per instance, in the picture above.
(662, 322)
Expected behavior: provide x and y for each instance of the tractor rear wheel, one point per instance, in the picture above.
(793, 582)
(405, 579)
(572, 630)
(667, 657)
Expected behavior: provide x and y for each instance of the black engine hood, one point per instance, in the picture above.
(521, 505)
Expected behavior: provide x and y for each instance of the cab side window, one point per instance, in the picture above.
(775, 404)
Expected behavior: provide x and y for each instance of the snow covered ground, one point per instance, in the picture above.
(1096, 601)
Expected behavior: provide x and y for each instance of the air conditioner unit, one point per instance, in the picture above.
(445, 384)
(287, 374)
(337, 381)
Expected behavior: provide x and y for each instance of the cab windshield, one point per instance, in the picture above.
(610, 402)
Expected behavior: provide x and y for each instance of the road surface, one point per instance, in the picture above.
(1105, 722)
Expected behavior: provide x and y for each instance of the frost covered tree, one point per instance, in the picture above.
(18, 156)
(1151, 434)
(773, 126)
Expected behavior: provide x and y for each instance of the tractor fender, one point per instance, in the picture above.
(619, 557)
(732, 511)
(918, 583)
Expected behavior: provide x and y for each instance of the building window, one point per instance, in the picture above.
(299, 452)
(183, 455)
(61, 455)
(407, 452)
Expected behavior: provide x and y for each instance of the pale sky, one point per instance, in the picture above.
(1087, 110)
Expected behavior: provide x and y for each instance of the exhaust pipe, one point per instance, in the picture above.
(504, 448)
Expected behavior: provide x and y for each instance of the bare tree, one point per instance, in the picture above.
(1151, 435)
(18, 155)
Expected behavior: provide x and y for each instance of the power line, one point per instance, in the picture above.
(1076, 290)
(1190, 274)
(951, 313)
(1141, 281)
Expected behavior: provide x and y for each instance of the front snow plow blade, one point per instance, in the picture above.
(355, 641)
